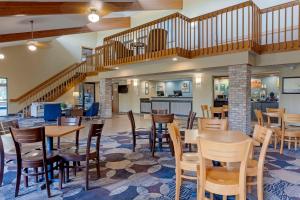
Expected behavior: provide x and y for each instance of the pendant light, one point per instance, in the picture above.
(93, 16)
(31, 44)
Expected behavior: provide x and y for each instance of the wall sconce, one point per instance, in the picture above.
(198, 80)
(128, 82)
(135, 82)
(75, 94)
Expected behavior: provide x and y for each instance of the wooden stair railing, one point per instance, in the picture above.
(241, 27)
(57, 85)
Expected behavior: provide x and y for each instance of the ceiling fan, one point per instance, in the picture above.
(33, 44)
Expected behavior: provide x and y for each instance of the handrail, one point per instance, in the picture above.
(43, 84)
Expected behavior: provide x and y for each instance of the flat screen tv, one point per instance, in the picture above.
(123, 89)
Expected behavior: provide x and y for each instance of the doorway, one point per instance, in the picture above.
(115, 99)
(3, 97)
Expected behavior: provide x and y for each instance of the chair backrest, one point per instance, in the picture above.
(191, 120)
(28, 136)
(263, 136)
(205, 111)
(4, 126)
(120, 50)
(52, 112)
(213, 124)
(75, 112)
(70, 121)
(93, 110)
(160, 111)
(157, 40)
(290, 119)
(131, 119)
(216, 110)
(94, 132)
(259, 116)
(280, 111)
(230, 152)
(176, 139)
(163, 119)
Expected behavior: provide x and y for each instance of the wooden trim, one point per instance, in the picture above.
(279, 7)
(56, 8)
(104, 24)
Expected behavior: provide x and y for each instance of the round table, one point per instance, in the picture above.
(192, 136)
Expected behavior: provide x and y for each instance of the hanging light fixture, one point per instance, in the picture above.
(2, 56)
(93, 16)
(31, 44)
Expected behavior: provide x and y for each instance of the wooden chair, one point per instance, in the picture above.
(157, 40)
(189, 125)
(7, 149)
(259, 117)
(184, 161)
(160, 133)
(160, 111)
(205, 111)
(119, 50)
(276, 127)
(84, 153)
(255, 168)
(289, 133)
(213, 124)
(135, 132)
(69, 121)
(220, 180)
(217, 111)
(34, 159)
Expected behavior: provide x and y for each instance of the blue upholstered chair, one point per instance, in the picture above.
(92, 111)
(52, 112)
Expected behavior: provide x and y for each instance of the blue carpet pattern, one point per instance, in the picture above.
(126, 175)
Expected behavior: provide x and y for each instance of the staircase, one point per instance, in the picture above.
(56, 86)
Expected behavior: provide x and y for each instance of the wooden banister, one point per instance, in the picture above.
(46, 83)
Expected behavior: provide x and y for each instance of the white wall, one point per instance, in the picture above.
(25, 69)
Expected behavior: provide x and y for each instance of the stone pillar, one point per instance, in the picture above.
(106, 98)
(240, 98)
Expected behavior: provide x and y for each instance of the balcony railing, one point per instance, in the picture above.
(242, 27)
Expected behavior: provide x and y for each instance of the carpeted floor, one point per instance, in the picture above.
(126, 175)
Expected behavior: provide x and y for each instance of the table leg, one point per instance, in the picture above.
(1, 162)
(160, 139)
(49, 149)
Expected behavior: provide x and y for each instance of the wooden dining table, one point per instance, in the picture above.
(192, 136)
(57, 131)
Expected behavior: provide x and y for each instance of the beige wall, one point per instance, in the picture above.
(25, 69)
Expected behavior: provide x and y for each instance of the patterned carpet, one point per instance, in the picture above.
(126, 175)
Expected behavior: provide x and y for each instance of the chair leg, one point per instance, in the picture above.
(98, 166)
(134, 143)
(260, 189)
(153, 146)
(36, 176)
(58, 142)
(74, 168)
(61, 174)
(178, 184)
(47, 181)
(281, 144)
(1, 168)
(87, 175)
(18, 181)
(289, 143)
(25, 176)
(67, 171)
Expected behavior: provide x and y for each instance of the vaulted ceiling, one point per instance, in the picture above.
(55, 18)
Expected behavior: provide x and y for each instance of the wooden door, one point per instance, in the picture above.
(115, 102)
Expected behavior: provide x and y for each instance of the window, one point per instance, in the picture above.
(3, 96)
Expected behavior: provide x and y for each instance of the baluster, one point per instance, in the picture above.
(231, 29)
(292, 26)
(243, 29)
(217, 39)
(211, 35)
(237, 28)
(285, 21)
(278, 29)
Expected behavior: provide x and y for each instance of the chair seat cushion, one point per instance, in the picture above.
(35, 158)
(190, 156)
(222, 176)
(76, 154)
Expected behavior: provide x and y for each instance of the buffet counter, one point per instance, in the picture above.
(178, 105)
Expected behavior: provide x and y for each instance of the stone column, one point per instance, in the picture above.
(106, 98)
(240, 98)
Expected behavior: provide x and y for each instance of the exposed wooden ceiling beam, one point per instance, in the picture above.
(8, 8)
(104, 24)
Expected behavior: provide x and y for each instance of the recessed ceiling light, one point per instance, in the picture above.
(32, 47)
(175, 59)
(93, 16)
(2, 56)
